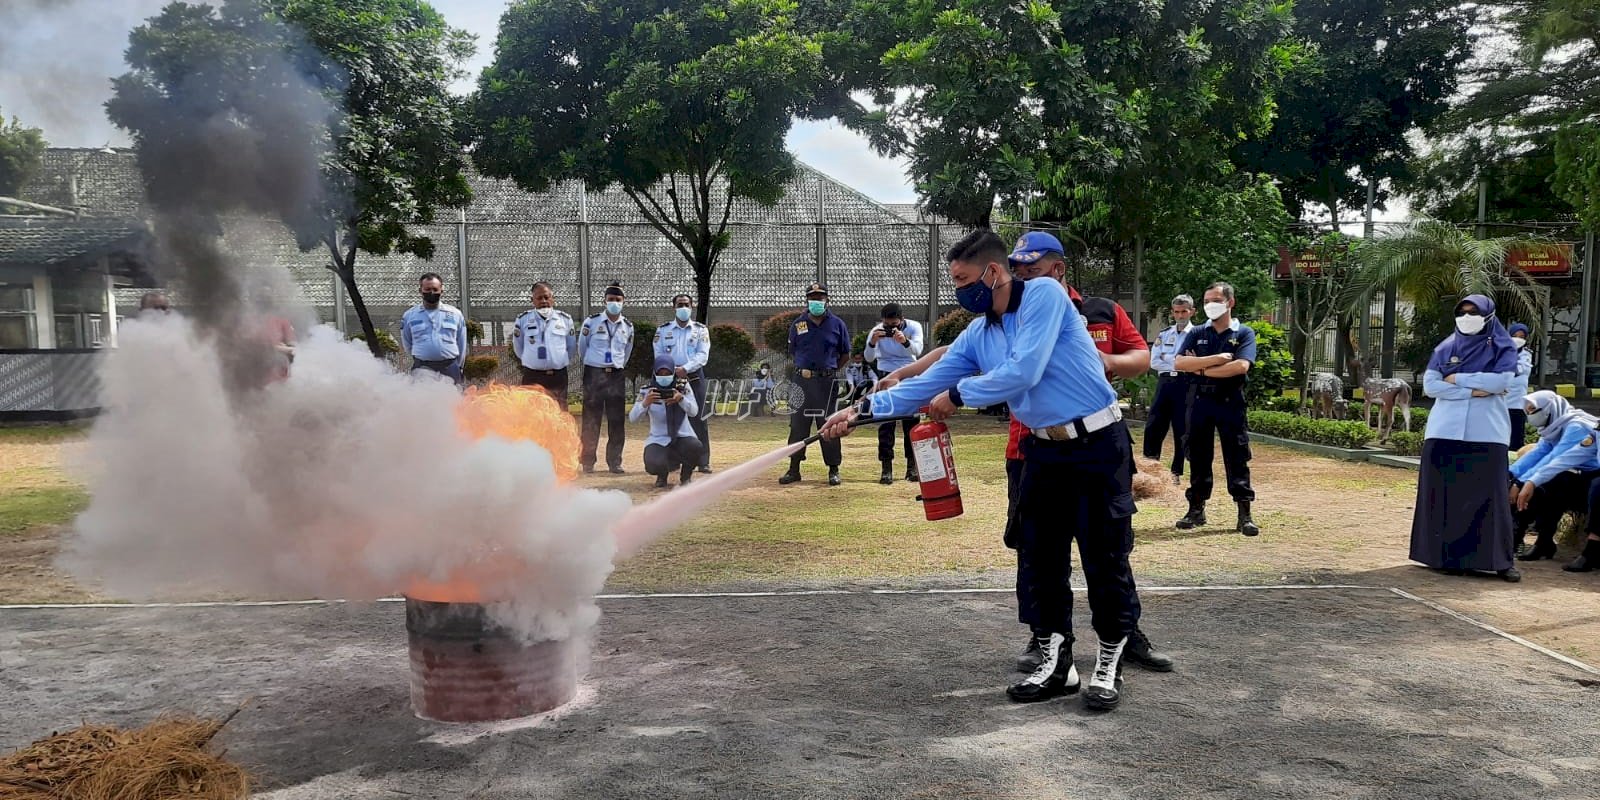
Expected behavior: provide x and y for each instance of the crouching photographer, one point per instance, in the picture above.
(672, 443)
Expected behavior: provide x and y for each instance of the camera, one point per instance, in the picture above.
(664, 392)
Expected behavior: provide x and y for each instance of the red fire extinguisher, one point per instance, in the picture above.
(936, 470)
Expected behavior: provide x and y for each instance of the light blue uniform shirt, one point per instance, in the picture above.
(1576, 449)
(1459, 416)
(1039, 358)
(689, 343)
(890, 355)
(1518, 390)
(604, 343)
(1164, 350)
(545, 343)
(658, 417)
(438, 334)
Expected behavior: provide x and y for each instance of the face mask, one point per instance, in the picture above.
(976, 297)
(546, 312)
(1215, 311)
(764, 370)
(683, 314)
(430, 297)
(1470, 324)
(1539, 418)
(613, 308)
(663, 381)
(1519, 342)
(817, 307)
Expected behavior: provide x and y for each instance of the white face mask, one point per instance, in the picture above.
(1539, 418)
(1470, 324)
(546, 312)
(1215, 310)
(1519, 342)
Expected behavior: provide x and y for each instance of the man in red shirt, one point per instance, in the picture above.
(1125, 354)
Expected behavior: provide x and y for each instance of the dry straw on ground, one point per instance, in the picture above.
(1154, 481)
(168, 758)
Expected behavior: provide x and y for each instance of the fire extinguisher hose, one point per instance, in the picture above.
(856, 423)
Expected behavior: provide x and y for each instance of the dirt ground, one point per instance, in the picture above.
(1282, 694)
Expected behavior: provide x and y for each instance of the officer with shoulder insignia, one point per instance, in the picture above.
(689, 344)
(435, 332)
(1170, 406)
(819, 342)
(1554, 477)
(1217, 357)
(545, 340)
(604, 345)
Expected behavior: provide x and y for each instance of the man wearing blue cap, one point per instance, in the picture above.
(819, 341)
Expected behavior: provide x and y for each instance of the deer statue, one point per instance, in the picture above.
(1388, 393)
(1325, 393)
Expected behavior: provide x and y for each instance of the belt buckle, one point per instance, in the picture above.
(807, 374)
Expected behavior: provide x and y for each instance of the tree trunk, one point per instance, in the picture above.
(705, 264)
(345, 267)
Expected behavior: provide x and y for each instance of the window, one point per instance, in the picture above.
(17, 330)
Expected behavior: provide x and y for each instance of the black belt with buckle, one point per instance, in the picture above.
(817, 373)
(607, 369)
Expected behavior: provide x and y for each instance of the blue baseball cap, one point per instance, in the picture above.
(1034, 246)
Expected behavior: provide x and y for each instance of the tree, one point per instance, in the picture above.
(1217, 233)
(684, 106)
(21, 153)
(344, 102)
(1518, 171)
(1381, 69)
(1317, 297)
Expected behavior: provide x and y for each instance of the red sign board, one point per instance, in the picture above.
(1542, 260)
(1309, 263)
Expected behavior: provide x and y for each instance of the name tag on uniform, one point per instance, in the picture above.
(543, 353)
(608, 356)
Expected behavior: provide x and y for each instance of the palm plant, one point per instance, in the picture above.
(1435, 264)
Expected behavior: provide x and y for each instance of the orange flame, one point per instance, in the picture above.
(526, 414)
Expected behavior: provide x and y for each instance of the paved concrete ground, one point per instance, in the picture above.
(1316, 694)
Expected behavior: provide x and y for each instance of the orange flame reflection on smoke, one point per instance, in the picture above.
(516, 414)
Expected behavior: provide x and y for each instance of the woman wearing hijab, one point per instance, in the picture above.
(1519, 386)
(1554, 477)
(1463, 517)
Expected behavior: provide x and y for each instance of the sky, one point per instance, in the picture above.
(57, 58)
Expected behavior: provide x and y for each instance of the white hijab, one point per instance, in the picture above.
(1552, 413)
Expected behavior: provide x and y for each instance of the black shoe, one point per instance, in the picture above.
(1587, 560)
(618, 471)
(588, 469)
(792, 476)
(911, 475)
(704, 470)
(1056, 675)
(1139, 651)
(1246, 526)
(1177, 479)
(887, 477)
(833, 476)
(1543, 548)
(661, 481)
(1033, 655)
(1105, 685)
(685, 476)
(1510, 575)
(1196, 518)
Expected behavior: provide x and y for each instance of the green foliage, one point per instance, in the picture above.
(731, 351)
(950, 325)
(21, 153)
(1577, 175)
(858, 343)
(1287, 405)
(1405, 444)
(644, 355)
(386, 341)
(1214, 234)
(775, 331)
(684, 106)
(1377, 72)
(479, 367)
(1348, 435)
(1273, 370)
(1139, 391)
(362, 86)
(474, 331)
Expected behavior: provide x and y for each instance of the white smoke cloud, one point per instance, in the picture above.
(347, 480)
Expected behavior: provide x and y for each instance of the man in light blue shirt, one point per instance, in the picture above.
(891, 344)
(434, 332)
(689, 343)
(1519, 386)
(1031, 349)
(604, 346)
(545, 339)
(672, 443)
(1170, 406)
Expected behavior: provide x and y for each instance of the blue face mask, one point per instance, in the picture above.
(817, 307)
(664, 380)
(683, 313)
(976, 297)
(613, 308)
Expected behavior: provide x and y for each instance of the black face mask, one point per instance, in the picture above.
(431, 297)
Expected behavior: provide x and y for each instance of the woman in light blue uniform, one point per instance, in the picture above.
(1463, 517)
(1554, 477)
(1519, 387)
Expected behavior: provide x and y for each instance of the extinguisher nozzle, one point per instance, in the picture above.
(861, 421)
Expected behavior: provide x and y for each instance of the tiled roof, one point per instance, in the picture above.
(61, 242)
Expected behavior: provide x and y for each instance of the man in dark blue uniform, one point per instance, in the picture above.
(1217, 356)
(1030, 347)
(820, 345)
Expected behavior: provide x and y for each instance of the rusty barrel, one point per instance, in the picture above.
(465, 668)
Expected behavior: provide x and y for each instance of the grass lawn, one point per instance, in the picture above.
(35, 489)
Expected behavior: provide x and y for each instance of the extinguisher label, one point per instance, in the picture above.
(930, 462)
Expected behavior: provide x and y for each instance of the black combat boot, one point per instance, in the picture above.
(1139, 651)
(1588, 560)
(1543, 547)
(1056, 674)
(1105, 685)
(833, 476)
(792, 476)
(888, 473)
(911, 474)
(1246, 526)
(685, 475)
(661, 481)
(1196, 518)
(1033, 655)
